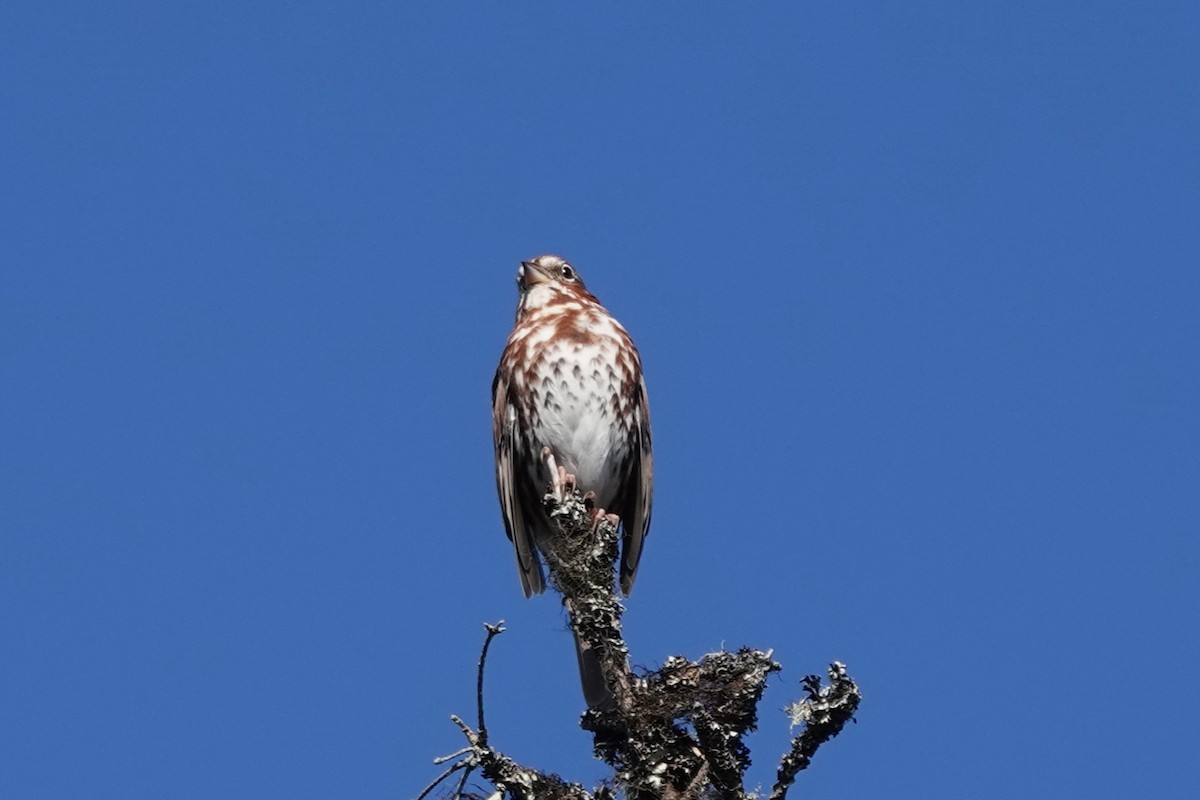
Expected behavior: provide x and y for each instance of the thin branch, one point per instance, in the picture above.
(462, 782)
(824, 714)
(453, 768)
(456, 754)
(471, 755)
(492, 632)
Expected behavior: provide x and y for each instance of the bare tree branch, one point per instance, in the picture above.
(581, 568)
(450, 771)
(492, 632)
(675, 733)
(823, 714)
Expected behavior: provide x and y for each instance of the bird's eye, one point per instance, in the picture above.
(568, 273)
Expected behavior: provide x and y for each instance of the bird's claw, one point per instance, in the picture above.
(599, 516)
(562, 483)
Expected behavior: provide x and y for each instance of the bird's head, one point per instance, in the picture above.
(547, 269)
(549, 282)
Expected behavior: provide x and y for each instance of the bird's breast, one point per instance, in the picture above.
(579, 387)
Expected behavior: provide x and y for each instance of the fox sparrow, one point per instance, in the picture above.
(569, 410)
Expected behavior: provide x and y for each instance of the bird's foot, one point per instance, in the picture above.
(556, 473)
(599, 516)
(567, 481)
(562, 483)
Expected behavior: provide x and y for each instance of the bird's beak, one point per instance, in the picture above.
(531, 275)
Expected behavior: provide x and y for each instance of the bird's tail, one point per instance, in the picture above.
(595, 691)
(591, 675)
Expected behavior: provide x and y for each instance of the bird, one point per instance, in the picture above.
(569, 410)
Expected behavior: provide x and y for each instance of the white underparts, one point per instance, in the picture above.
(578, 387)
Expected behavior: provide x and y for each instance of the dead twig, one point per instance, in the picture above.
(492, 632)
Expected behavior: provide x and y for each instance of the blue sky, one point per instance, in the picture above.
(916, 287)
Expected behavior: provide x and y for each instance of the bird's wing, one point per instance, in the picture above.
(635, 511)
(504, 423)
